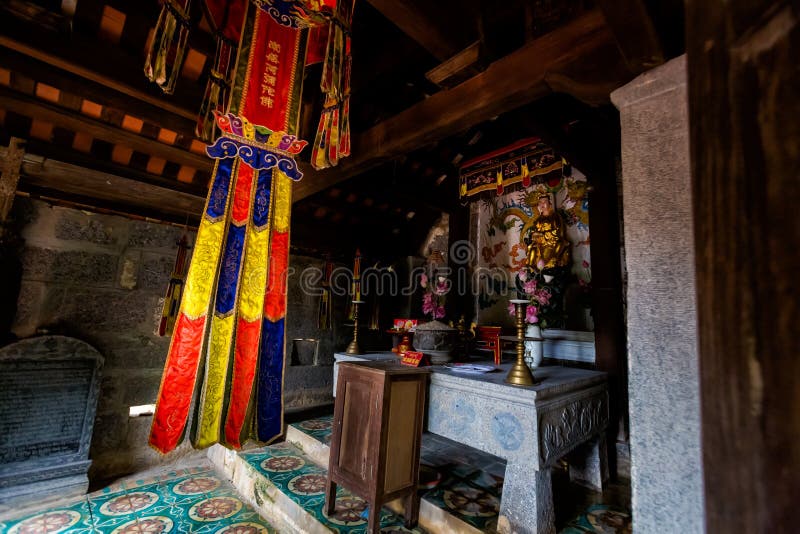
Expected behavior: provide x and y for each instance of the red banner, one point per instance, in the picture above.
(267, 97)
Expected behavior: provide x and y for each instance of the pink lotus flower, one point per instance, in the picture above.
(523, 275)
(427, 303)
(441, 287)
(529, 287)
(543, 297)
(531, 313)
(433, 297)
(531, 316)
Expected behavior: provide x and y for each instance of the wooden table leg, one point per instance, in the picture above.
(330, 497)
(412, 510)
(374, 523)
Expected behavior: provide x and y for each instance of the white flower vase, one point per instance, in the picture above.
(534, 350)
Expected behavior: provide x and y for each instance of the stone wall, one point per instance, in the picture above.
(101, 278)
(308, 379)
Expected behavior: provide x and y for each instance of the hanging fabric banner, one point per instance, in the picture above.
(332, 141)
(180, 372)
(227, 351)
(275, 65)
(172, 299)
(165, 55)
(325, 314)
(226, 18)
(238, 272)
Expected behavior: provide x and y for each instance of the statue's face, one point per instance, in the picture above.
(544, 206)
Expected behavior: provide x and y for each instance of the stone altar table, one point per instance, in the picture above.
(530, 427)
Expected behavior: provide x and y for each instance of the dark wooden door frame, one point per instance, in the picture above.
(744, 115)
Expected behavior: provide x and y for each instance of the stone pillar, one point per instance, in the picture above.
(663, 383)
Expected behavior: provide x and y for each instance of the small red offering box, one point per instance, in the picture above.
(414, 359)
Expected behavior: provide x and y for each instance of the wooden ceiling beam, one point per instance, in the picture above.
(423, 29)
(88, 161)
(592, 77)
(634, 33)
(100, 189)
(508, 83)
(74, 122)
(456, 69)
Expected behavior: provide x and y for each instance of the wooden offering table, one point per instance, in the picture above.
(530, 427)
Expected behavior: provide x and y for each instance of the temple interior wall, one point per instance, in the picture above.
(101, 279)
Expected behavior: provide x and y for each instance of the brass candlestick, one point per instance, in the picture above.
(353, 347)
(520, 374)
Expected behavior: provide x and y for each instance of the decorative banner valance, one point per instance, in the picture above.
(257, 146)
(299, 13)
(525, 162)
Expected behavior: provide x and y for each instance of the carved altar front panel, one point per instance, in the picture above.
(571, 422)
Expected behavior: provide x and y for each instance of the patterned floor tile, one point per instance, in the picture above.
(72, 518)
(602, 519)
(304, 483)
(466, 489)
(319, 428)
(191, 502)
(470, 488)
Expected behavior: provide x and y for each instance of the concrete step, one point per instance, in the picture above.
(285, 483)
(287, 489)
(468, 498)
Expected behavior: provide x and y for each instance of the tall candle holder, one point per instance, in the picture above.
(520, 374)
(353, 347)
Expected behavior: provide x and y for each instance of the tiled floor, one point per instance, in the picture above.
(304, 482)
(472, 482)
(193, 501)
(600, 519)
(470, 493)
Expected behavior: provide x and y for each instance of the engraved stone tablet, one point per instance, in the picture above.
(48, 396)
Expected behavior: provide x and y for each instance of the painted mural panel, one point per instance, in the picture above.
(498, 223)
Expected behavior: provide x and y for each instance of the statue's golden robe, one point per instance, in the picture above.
(548, 246)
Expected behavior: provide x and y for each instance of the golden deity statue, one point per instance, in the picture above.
(546, 243)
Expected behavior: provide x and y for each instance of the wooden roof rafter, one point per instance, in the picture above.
(506, 84)
(37, 109)
(406, 15)
(107, 66)
(635, 33)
